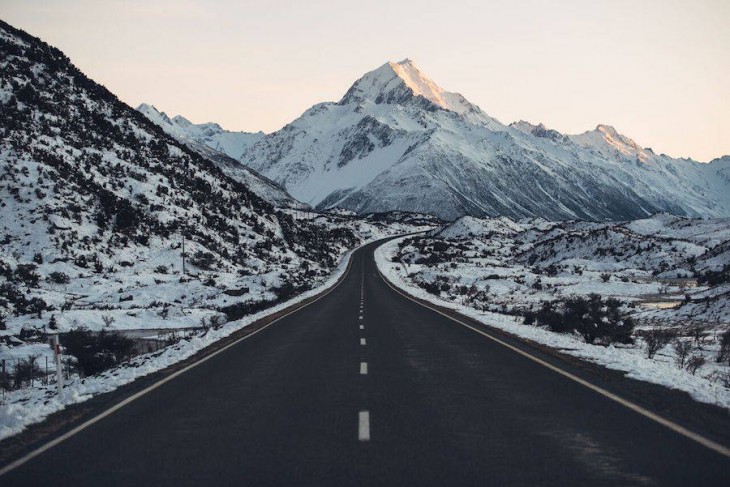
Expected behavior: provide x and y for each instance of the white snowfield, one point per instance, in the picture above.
(489, 274)
(397, 141)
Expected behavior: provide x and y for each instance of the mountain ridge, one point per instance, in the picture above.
(392, 144)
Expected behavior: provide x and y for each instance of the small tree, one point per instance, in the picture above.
(723, 355)
(694, 363)
(682, 348)
(655, 340)
(26, 371)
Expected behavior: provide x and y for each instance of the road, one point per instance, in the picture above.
(366, 387)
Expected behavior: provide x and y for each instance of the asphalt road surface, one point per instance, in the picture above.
(366, 387)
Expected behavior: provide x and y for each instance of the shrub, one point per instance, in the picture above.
(26, 371)
(694, 363)
(26, 273)
(203, 260)
(6, 380)
(655, 340)
(682, 348)
(97, 352)
(161, 269)
(595, 319)
(723, 355)
(29, 334)
(59, 277)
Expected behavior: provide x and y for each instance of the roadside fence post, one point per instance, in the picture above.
(57, 355)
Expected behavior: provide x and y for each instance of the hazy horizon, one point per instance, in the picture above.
(653, 70)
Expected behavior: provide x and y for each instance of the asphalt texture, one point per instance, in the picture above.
(444, 406)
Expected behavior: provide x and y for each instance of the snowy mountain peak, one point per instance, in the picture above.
(606, 139)
(210, 134)
(151, 112)
(539, 130)
(399, 82)
(181, 121)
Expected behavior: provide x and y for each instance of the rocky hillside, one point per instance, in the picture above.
(96, 201)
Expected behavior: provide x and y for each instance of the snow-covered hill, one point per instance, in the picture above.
(397, 141)
(224, 148)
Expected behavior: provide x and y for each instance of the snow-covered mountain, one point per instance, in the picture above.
(224, 148)
(233, 144)
(397, 141)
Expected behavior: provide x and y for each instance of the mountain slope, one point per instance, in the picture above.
(233, 144)
(224, 148)
(96, 199)
(397, 141)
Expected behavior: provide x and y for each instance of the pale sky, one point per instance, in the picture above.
(658, 71)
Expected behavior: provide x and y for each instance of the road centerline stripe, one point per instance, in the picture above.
(363, 427)
(363, 368)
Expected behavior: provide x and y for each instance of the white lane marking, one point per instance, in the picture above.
(363, 427)
(362, 341)
(706, 442)
(362, 327)
(361, 317)
(363, 368)
(29, 456)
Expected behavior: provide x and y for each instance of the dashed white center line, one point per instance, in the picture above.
(362, 327)
(363, 430)
(362, 342)
(361, 317)
(363, 368)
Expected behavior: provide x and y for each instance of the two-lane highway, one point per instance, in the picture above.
(366, 387)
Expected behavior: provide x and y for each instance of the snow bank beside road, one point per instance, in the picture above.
(626, 359)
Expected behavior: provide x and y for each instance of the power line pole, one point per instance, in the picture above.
(183, 252)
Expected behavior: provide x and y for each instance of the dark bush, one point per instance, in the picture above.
(595, 319)
(682, 348)
(97, 352)
(694, 363)
(26, 371)
(59, 277)
(26, 273)
(203, 260)
(723, 355)
(655, 340)
(29, 334)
